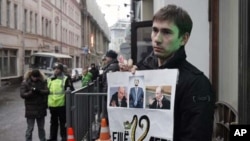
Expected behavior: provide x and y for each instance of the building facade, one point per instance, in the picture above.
(95, 33)
(28, 26)
(118, 34)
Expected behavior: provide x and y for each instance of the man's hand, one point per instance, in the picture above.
(150, 100)
(35, 90)
(113, 104)
(127, 65)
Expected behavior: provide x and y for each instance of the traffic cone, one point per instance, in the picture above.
(70, 134)
(104, 133)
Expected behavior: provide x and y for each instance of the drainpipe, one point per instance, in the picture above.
(23, 44)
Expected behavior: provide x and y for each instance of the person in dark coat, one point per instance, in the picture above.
(160, 101)
(194, 97)
(94, 71)
(34, 91)
(119, 98)
(66, 72)
(111, 66)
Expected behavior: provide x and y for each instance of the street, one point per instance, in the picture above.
(12, 121)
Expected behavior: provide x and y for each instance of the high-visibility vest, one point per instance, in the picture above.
(56, 97)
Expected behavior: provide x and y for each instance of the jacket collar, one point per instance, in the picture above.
(151, 61)
(114, 61)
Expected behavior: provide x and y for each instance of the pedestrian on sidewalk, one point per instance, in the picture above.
(34, 91)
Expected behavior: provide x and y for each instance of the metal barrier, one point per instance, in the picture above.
(84, 108)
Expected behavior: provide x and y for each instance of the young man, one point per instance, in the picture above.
(194, 99)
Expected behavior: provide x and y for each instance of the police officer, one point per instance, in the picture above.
(57, 85)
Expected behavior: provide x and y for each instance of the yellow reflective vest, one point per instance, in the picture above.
(56, 97)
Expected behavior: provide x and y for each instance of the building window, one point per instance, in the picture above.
(42, 26)
(46, 27)
(15, 16)
(56, 26)
(25, 20)
(50, 29)
(31, 22)
(66, 41)
(77, 62)
(8, 62)
(36, 23)
(27, 57)
(8, 13)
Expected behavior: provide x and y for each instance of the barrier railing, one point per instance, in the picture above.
(84, 109)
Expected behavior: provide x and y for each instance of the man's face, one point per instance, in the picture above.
(121, 93)
(136, 82)
(165, 38)
(158, 93)
(85, 71)
(57, 71)
(34, 78)
(107, 60)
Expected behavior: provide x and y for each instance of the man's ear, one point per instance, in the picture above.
(185, 38)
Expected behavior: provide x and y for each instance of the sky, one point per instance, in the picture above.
(114, 10)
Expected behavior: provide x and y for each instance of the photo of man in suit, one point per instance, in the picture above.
(136, 96)
(119, 98)
(159, 101)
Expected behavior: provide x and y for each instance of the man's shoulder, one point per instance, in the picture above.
(190, 68)
(190, 73)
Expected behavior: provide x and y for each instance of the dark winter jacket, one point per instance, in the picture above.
(110, 67)
(95, 73)
(35, 102)
(194, 99)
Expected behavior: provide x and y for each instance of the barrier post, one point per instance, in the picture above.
(0, 78)
(68, 108)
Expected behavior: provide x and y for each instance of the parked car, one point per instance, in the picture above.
(76, 74)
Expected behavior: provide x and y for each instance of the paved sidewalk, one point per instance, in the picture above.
(13, 123)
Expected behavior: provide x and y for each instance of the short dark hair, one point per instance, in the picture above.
(112, 54)
(176, 14)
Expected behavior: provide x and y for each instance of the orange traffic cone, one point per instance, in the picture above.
(104, 133)
(70, 134)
